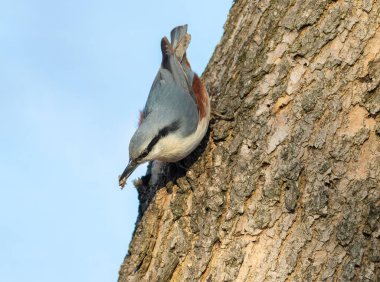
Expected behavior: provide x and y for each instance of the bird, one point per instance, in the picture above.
(177, 112)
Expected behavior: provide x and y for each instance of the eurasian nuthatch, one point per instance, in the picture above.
(177, 112)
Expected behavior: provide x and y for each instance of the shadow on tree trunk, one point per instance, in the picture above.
(170, 173)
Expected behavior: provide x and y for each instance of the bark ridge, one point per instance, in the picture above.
(286, 186)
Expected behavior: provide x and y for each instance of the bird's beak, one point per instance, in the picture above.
(127, 172)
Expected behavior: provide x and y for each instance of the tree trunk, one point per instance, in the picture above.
(285, 187)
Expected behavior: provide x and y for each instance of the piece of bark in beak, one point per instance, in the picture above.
(126, 173)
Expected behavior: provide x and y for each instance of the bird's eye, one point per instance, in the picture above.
(143, 155)
(161, 133)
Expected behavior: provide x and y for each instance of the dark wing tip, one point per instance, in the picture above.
(167, 50)
(166, 47)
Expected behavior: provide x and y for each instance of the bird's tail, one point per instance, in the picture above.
(174, 52)
(180, 40)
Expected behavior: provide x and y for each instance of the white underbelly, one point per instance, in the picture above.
(175, 148)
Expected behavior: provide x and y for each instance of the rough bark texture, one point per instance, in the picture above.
(286, 186)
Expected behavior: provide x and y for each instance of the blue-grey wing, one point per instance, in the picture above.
(169, 102)
(171, 97)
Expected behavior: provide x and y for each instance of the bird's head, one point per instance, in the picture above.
(145, 145)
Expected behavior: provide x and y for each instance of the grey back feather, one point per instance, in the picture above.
(171, 97)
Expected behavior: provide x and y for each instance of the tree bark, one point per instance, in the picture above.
(286, 185)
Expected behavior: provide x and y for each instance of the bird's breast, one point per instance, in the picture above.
(174, 147)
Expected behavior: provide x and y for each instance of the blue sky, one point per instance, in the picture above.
(73, 75)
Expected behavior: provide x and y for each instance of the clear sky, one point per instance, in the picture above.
(73, 75)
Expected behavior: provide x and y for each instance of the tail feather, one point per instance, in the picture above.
(174, 56)
(177, 33)
(180, 40)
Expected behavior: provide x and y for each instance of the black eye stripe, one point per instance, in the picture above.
(162, 133)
